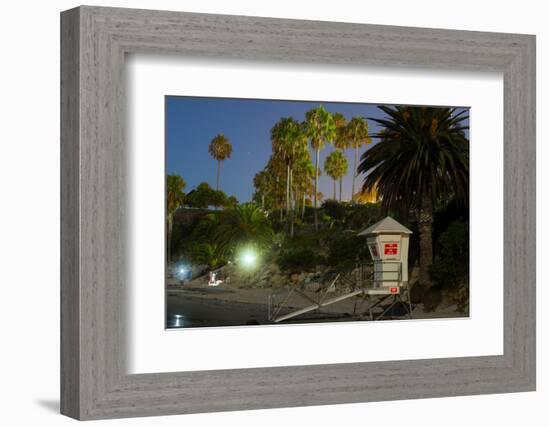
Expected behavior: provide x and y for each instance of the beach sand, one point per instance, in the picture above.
(200, 305)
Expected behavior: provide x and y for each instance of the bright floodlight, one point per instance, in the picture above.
(248, 258)
(181, 271)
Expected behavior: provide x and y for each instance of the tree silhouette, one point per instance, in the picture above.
(220, 149)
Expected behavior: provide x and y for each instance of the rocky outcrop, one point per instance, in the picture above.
(268, 275)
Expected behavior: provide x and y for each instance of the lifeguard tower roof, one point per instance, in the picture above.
(387, 225)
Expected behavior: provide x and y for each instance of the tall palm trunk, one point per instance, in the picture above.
(218, 176)
(280, 203)
(315, 221)
(291, 216)
(169, 240)
(297, 200)
(304, 205)
(334, 189)
(425, 229)
(263, 201)
(340, 195)
(354, 174)
(287, 189)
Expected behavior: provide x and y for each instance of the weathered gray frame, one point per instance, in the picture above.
(94, 41)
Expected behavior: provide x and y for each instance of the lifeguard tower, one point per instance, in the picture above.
(388, 277)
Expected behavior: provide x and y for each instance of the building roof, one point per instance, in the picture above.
(387, 225)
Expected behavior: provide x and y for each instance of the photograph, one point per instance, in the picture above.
(285, 212)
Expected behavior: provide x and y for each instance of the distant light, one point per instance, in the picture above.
(248, 258)
(178, 321)
(181, 271)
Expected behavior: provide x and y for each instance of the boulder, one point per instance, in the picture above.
(277, 281)
(313, 286)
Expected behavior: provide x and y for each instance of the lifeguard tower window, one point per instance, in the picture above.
(373, 251)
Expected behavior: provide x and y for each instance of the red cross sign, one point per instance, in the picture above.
(390, 248)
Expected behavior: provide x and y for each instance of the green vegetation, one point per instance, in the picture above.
(299, 255)
(205, 196)
(243, 225)
(175, 185)
(450, 268)
(215, 237)
(346, 250)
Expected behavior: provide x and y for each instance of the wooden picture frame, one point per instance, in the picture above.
(94, 41)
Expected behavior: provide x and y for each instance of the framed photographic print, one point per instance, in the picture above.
(292, 213)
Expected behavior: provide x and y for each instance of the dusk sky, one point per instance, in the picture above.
(192, 122)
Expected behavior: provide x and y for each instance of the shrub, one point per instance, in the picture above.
(451, 267)
(206, 254)
(346, 249)
(334, 209)
(308, 214)
(242, 225)
(360, 217)
(299, 259)
(303, 252)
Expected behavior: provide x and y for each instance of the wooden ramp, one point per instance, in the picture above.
(316, 302)
(374, 297)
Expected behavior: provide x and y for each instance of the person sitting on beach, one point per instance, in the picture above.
(212, 279)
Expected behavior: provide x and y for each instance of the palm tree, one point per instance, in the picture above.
(330, 170)
(276, 169)
(242, 225)
(336, 166)
(261, 184)
(303, 179)
(205, 249)
(341, 140)
(357, 132)
(319, 127)
(422, 160)
(220, 149)
(290, 143)
(174, 199)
